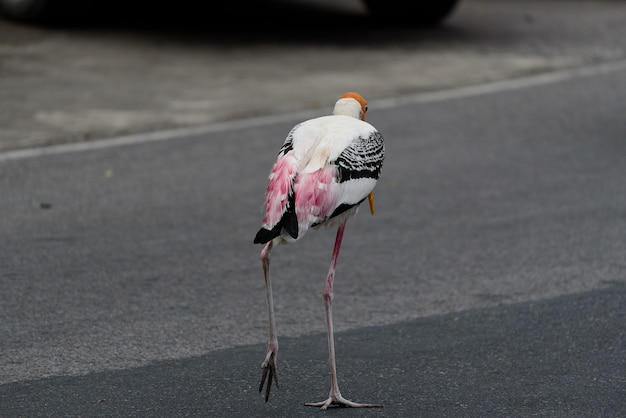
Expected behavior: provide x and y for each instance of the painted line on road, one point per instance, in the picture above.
(503, 85)
(418, 98)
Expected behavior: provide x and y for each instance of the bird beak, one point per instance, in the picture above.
(370, 198)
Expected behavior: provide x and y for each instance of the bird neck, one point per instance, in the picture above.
(348, 107)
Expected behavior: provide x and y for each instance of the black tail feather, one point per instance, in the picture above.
(266, 235)
(289, 221)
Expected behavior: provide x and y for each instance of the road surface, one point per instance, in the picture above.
(490, 279)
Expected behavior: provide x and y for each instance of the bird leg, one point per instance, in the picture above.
(269, 364)
(334, 398)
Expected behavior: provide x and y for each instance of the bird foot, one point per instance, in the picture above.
(340, 402)
(269, 373)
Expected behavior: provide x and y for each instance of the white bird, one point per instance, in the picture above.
(325, 169)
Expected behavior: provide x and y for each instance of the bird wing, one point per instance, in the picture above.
(358, 169)
(363, 158)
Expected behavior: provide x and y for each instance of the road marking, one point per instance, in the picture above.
(418, 98)
(503, 85)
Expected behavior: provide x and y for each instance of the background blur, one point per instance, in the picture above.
(117, 69)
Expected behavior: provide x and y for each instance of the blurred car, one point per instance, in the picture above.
(420, 13)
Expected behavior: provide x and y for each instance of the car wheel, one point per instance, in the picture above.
(25, 10)
(43, 11)
(420, 13)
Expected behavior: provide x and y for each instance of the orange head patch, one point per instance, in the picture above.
(356, 96)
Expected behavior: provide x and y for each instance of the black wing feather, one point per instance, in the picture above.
(362, 159)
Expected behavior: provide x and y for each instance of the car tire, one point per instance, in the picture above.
(420, 13)
(42, 11)
(25, 10)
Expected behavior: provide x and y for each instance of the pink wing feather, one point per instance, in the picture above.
(315, 197)
(279, 188)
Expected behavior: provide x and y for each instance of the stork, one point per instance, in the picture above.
(326, 167)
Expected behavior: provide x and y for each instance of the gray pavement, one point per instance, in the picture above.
(120, 256)
(562, 357)
(490, 281)
(118, 76)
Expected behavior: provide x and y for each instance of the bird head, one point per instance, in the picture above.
(351, 104)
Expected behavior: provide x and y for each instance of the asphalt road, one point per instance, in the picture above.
(491, 278)
(562, 357)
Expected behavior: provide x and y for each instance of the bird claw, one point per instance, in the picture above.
(340, 402)
(269, 374)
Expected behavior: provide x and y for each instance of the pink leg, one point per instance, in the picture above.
(334, 397)
(269, 364)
